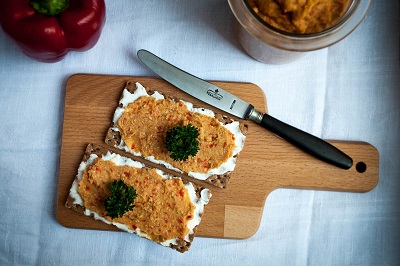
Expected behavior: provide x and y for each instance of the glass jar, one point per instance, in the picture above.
(269, 45)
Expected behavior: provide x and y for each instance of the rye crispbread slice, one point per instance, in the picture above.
(113, 137)
(181, 245)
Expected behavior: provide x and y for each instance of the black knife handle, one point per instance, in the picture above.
(307, 142)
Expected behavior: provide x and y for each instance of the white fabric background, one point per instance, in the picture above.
(350, 91)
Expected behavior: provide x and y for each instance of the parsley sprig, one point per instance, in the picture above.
(121, 199)
(182, 142)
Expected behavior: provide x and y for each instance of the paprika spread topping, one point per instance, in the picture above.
(165, 209)
(46, 30)
(145, 122)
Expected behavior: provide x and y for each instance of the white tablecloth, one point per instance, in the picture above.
(350, 91)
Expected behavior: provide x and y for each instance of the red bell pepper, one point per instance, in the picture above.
(46, 30)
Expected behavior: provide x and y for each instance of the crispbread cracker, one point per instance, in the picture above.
(113, 137)
(180, 245)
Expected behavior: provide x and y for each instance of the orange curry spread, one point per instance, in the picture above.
(300, 16)
(144, 123)
(162, 206)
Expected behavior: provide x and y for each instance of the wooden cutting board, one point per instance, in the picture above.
(265, 164)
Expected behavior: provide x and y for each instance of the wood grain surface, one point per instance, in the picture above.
(266, 163)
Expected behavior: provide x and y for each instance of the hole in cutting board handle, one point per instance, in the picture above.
(361, 167)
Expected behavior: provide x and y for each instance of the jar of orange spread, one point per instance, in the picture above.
(281, 31)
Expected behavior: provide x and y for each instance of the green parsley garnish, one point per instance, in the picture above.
(182, 142)
(120, 200)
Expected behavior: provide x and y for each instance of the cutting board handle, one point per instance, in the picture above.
(361, 177)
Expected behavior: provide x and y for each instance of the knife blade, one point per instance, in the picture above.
(227, 102)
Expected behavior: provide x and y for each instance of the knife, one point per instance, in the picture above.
(227, 102)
